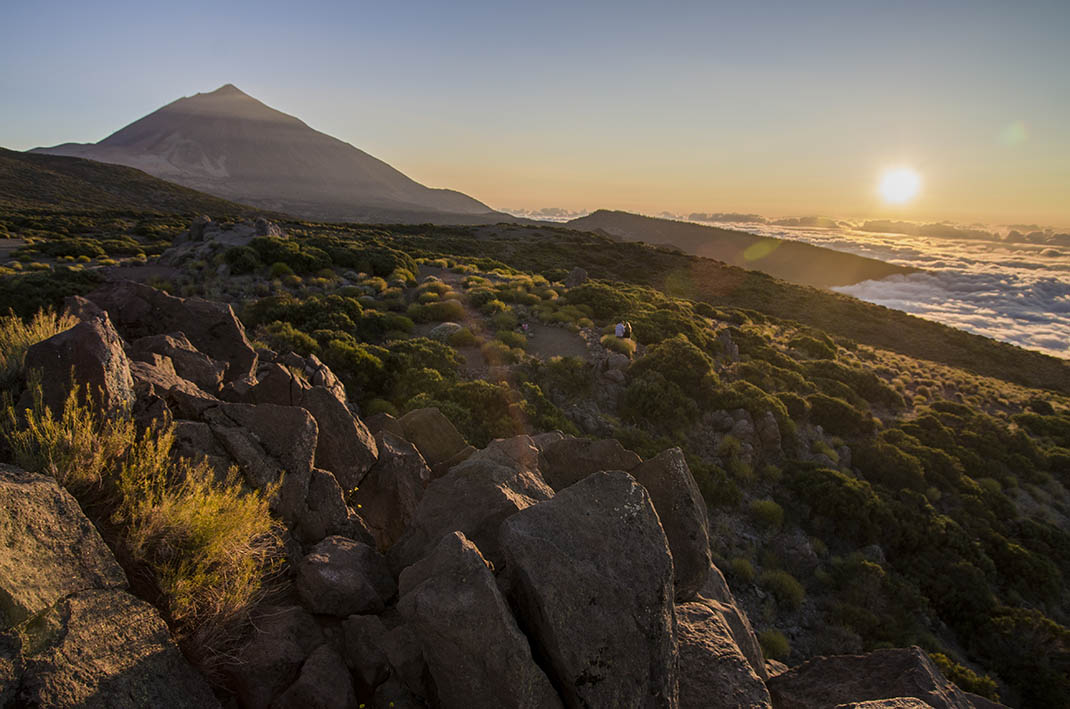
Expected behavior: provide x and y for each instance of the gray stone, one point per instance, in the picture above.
(365, 638)
(474, 650)
(389, 495)
(324, 683)
(434, 436)
(591, 576)
(283, 637)
(682, 511)
(714, 674)
(189, 363)
(572, 459)
(341, 577)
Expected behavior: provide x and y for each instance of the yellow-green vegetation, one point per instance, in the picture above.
(208, 544)
(768, 514)
(18, 335)
(785, 588)
(774, 645)
(623, 345)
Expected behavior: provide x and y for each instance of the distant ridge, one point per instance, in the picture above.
(60, 184)
(229, 144)
(790, 260)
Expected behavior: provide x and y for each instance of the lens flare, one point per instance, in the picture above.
(899, 185)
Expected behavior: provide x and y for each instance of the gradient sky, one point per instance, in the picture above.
(774, 107)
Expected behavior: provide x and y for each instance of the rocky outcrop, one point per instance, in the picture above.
(576, 277)
(475, 652)
(70, 635)
(48, 548)
(879, 675)
(92, 352)
(714, 674)
(473, 498)
(389, 495)
(569, 460)
(107, 649)
(591, 575)
(682, 511)
(341, 577)
(324, 683)
(188, 362)
(138, 310)
(283, 637)
(716, 596)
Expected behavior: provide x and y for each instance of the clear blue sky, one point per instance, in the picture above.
(777, 107)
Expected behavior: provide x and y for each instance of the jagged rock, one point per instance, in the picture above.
(377, 423)
(443, 331)
(474, 650)
(882, 674)
(572, 459)
(713, 671)
(473, 498)
(718, 598)
(93, 351)
(433, 435)
(389, 495)
(591, 576)
(198, 227)
(326, 513)
(341, 577)
(774, 668)
(682, 511)
(365, 638)
(324, 683)
(616, 361)
(615, 375)
(81, 308)
(189, 363)
(542, 440)
(107, 649)
(576, 277)
(194, 440)
(138, 310)
(345, 446)
(408, 667)
(768, 433)
(316, 373)
(271, 661)
(518, 452)
(265, 228)
(48, 548)
(155, 378)
(270, 443)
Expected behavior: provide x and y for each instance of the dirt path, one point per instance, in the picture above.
(8, 246)
(545, 342)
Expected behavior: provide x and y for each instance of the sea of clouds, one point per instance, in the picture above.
(1010, 283)
(1013, 285)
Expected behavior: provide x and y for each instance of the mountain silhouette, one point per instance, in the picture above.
(229, 144)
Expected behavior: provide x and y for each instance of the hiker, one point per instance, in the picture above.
(627, 330)
(619, 330)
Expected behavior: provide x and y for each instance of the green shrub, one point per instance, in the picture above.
(280, 270)
(965, 678)
(768, 514)
(652, 400)
(621, 345)
(441, 311)
(379, 406)
(813, 347)
(838, 417)
(463, 338)
(605, 301)
(741, 569)
(774, 645)
(784, 587)
(568, 375)
(17, 336)
(242, 259)
(512, 338)
(886, 464)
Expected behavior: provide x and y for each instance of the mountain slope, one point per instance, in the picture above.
(54, 183)
(789, 260)
(229, 144)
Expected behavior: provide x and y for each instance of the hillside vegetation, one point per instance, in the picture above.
(873, 479)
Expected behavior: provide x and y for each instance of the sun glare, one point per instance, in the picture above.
(899, 185)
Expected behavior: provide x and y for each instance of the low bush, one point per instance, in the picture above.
(774, 645)
(621, 345)
(512, 338)
(17, 336)
(768, 514)
(784, 587)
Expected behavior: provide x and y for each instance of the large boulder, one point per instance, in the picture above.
(591, 576)
(569, 460)
(576, 277)
(473, 498)
(270, 444)
(325, 513)
(716, 596)
(48, 548)
(188, 361)
(345, 446)
(107, 649)
(434, 436)
(324, 683)
(389, 495)
(139, 310)
(315, 372)
(682, 511)
(714, 674)
(882, 674)
(271, 660)
(92, 352)
(476, 653)
(341, 577)
(365, 640)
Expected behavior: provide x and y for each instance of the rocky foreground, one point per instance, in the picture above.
(540, 571)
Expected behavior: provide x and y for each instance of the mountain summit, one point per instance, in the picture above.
(229, 144)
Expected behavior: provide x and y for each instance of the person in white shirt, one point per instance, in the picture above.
(620, 329)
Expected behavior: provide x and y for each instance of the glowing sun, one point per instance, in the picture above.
(899, 185)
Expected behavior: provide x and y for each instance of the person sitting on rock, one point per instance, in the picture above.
(619, 330)
(627, 329)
